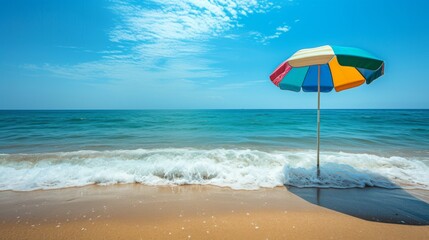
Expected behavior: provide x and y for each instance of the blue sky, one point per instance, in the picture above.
(79, 54)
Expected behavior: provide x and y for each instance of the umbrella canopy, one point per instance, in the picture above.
(324, 68)
(341, 68)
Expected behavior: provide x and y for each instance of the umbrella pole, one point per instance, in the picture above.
(318, 120)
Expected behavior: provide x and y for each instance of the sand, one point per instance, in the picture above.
(135, 211)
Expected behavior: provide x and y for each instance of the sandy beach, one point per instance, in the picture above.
(135, 211)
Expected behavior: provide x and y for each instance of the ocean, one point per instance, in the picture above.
(240, 149)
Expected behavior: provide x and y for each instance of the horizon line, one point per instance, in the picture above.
(161, 109)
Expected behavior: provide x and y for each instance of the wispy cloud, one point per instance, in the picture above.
(165, 39)
(171, 28)
(265, 39)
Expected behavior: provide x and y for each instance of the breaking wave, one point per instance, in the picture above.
(234, 168)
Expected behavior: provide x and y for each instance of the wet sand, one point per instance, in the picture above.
(201, 212)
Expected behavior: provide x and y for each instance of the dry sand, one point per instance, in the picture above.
(199, 212)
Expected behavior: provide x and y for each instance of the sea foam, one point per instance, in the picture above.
(234, 168)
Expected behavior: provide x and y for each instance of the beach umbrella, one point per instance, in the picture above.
(324, 68)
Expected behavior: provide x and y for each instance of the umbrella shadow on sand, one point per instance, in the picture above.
(397, 205)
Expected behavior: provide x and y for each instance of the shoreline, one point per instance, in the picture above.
(134, 211)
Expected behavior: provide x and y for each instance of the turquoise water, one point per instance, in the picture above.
(271, 142)
(397, 132)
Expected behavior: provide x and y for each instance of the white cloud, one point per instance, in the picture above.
(160, 34)
(182, 26)
(282, 29)
(264, 39)
(165, 39)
